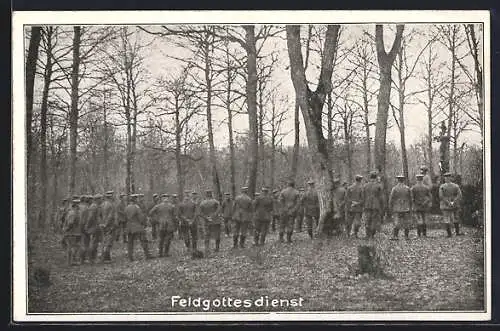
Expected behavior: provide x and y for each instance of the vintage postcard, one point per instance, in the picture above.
(251, 166)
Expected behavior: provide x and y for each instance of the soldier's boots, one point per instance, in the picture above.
(217, 245)
(289, 237)
(424, 230)
(235, 241)
(407, 233)
(448, 230)
(457, 229)
(281, 237)
(242, 241)
(310, 233)
(419, 230)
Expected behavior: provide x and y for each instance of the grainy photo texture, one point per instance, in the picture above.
(192, 169)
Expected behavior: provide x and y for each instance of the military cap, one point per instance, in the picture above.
(76, 197)
(98, 196)
(140, 195)
(301, 189)
(110, 193)
(373, 174)
(265, 189)
(359, 176)
(310, 182)
(174, 195)
(164, 195)
(275, 191)
(194, 193)
(244, 188)
(419, 176)
(155, 195)
(65, 199)
(447, 174)
(400, 176)
(227, 194)
(336, 180)
(187, 192)
(257, 194)
(208, 191)
(122, 195)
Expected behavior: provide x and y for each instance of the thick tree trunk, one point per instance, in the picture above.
(366, 119)
(178, 160)
(251, 91)
(73, 115)
(30, 72)
(402, 128)
(128, 161)
(311, 104)
(329, 121)
(385, 61)
(106, 144)
(47, 77)
(232, 167)
(262, 160)
(296, 142)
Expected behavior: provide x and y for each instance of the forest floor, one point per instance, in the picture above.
(433, 273)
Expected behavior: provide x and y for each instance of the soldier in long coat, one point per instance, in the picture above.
(263, 212)
(374, 205)
(276, 210)
(290, 202)
(109, 226)
(400, 206)
(93, 227)
(242, 216)
(209, 213)
(188, 216)
(153, 221)
(310, 205)
(61, 212)
(339, 195)
(299, 216)
(421, 198)
(72, 233)
(227, 212)
(354, 202)
(450, 197)
(426, 180)
(83, 214)
(165, 213)
(136, 227)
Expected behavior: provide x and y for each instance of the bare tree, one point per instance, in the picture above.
(311, 103)
(385, 61)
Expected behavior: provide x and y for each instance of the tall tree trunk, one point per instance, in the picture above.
(106, 143)
(73, 114)
(273, 148)
(251, 91)
(232, 167)
(261, 135)
(366, 119)
(296, 142)
(451, 93)
(385, 61)
(348, 149)
(128, 165)
(212, 156)
(402, 129)
(329, 121)
(430, 100)
(30, 72)
(178, 160)
(311, 103)
(47, 77)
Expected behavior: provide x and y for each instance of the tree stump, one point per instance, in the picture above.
(369, 261)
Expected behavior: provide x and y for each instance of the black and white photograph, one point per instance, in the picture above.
(251, 166)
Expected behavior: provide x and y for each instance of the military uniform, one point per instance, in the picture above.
(209, 213)
(153, 220)
(165, 213)
(276, 210)
(227, 212)
(93, 227)
(108, 226)
(83, 214)
(310, 206)
(72, 233)
(354, 202)
(400, 206)
(421, 198)
(299, 216)
(136, 228)
(122, 219)
(373, 206)
(450, 197)
(263, 210)
(289, 199)
(61, 214)
(242, 216)
(188, 215)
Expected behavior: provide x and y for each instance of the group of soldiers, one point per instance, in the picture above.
(100, 220)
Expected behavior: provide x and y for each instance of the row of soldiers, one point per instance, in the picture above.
(91, 222)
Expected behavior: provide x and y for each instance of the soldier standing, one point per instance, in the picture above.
(354, 200)
(276, 210)
(93, 227)
(421, 198)
(242, 216)
(153, 220)
(373, 206)
(136, 227)
(164, 212)
(427, 180)
(299, 219)
(209, 212)
(400, 206)
(263, 210)
(122, 219)
(289, 199)
(72, 233)
(227, 212)
(339, 195)
(61, 212)
(189, 224)
(450, 196)
(108, 226)
(84, 214)
(310, 205)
